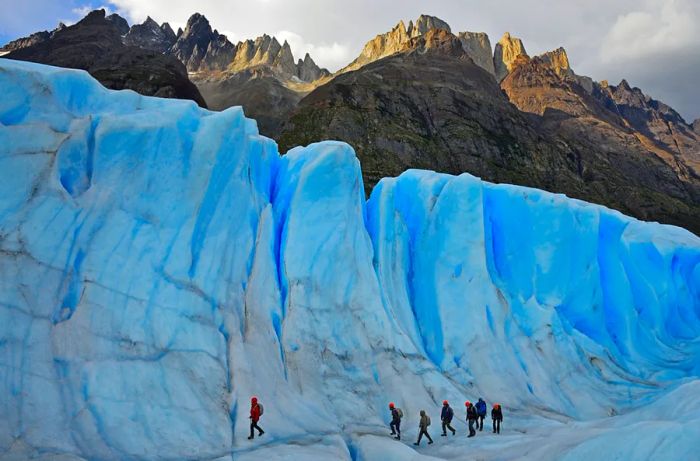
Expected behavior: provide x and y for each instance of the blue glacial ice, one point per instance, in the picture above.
(160, 264)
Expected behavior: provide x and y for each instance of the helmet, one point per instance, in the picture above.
(496, 406)
(391, 405)
(444, 402)
(254, 400)
(467, 403)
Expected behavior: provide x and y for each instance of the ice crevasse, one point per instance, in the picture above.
(160, 264)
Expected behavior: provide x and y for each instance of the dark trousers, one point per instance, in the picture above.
(445, 426)
(480, 422)
(254, 425)
(497, 426)
(424, 432)
(471, 427)
(395, 427)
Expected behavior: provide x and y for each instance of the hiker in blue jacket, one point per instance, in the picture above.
(446, 417)
(481, 412)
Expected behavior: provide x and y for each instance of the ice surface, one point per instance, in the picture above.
(160, 264)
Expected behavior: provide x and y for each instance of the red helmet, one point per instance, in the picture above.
(467, 403)
(391, 405)
(444, 402)
(496, 406)
(254, 400)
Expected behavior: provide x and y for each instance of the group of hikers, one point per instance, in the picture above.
(475, 418)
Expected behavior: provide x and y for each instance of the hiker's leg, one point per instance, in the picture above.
(252, 427)
(428, 435)
(398, 428)
(444, 428)
(420, 436)
(392, 425)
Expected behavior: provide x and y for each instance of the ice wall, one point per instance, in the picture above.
(160, 263)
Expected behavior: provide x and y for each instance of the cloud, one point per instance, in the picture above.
(662, 26)
(332, 56)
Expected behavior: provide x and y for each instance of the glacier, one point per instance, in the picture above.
(161, 263)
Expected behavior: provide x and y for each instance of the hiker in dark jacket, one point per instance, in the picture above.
(481, 412)
(255, 414)
(423, 426)
(446, 417)
(497, 417)
(471, 417)
(395, 425)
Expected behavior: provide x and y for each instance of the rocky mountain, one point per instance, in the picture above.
(120, 23)
(478, 46)
(33, 39)
(95, 44)
(151, 36)
(430, 106)
(394, 41)
(507, 51)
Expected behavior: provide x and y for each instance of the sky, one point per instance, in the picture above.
(654, 44)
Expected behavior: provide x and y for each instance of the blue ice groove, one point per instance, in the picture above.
(160, 263)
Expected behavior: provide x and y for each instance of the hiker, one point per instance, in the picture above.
(497, 417)
(446, 417)
(481, 412)
(396, 415)
(423, 426)
(471, 417)
(256, 411)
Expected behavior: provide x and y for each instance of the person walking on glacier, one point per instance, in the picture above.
(396, 415)
(446, 417)
(423, 426)
(481, 412)
(471, 417)
(497, 417)
(256, 411)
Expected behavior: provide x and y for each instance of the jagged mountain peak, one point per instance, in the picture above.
(151, 36)
(394, 41)
(507, 50)
(424, 23)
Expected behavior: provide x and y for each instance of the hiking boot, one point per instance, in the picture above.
(471, 435)
(430, 442)
(394, 433)
(443, 435)
(454, 432)
(261, 433)
(398, 437)
(416, 443)
(250, 438)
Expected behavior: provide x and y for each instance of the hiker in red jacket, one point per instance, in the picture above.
(256, 411)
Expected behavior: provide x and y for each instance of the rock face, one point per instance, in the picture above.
(475, 44)
(656, 121)
(453, 117)
(507, 51)
(24, 42)
(478, 47)
(424, 23)
(95, 44)
(191, 46)
(308, 70)
(120, 23)
(151, 36)
(558, 61)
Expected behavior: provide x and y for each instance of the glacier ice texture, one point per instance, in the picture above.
(160, 264)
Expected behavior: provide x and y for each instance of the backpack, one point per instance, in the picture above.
(481, 408)
(398, 410)
(450, 413)
(260, 406)
(428, 420)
